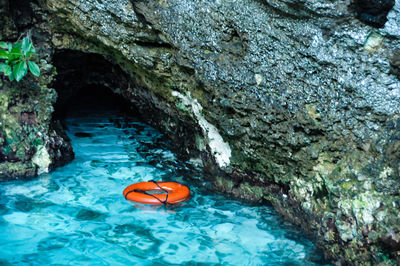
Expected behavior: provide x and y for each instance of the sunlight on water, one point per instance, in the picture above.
(77, 215)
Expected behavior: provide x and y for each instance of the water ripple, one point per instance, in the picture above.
(77, 215)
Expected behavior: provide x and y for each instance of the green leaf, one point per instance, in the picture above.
(3, 45)
(4, 54)
(13, 59)
(11, 77)
(20, 70)
(15, 52)
(17, 46)
(3, 67)
(32, 49)
(34, 68)
(8, 71)
(25, 46)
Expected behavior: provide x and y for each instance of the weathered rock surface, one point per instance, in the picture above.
(294, 102)
(30, 142)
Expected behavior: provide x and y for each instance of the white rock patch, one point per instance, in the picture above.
(258, 78)
(42, 160)
(220, 149)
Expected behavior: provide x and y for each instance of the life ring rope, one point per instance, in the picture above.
(141, 192)
(145, 192)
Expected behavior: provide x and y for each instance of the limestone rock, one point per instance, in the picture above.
(302, 99)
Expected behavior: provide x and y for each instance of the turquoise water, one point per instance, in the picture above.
(77, 215)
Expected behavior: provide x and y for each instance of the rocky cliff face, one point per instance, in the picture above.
(292, 102)
(30, 142)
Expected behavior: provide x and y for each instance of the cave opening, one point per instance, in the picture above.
(88, 83)
(93, 99)
(371, 12)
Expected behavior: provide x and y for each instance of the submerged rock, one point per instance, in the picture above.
(291, 102)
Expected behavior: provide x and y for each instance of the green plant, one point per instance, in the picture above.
(18, 59)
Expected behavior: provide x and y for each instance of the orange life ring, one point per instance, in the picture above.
(175, 192)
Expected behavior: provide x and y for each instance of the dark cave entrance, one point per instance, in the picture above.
(88, 83)
(93, 99)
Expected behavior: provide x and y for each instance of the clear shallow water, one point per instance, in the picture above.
(77, 214)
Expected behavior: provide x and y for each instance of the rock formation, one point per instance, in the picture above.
(292, 102)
